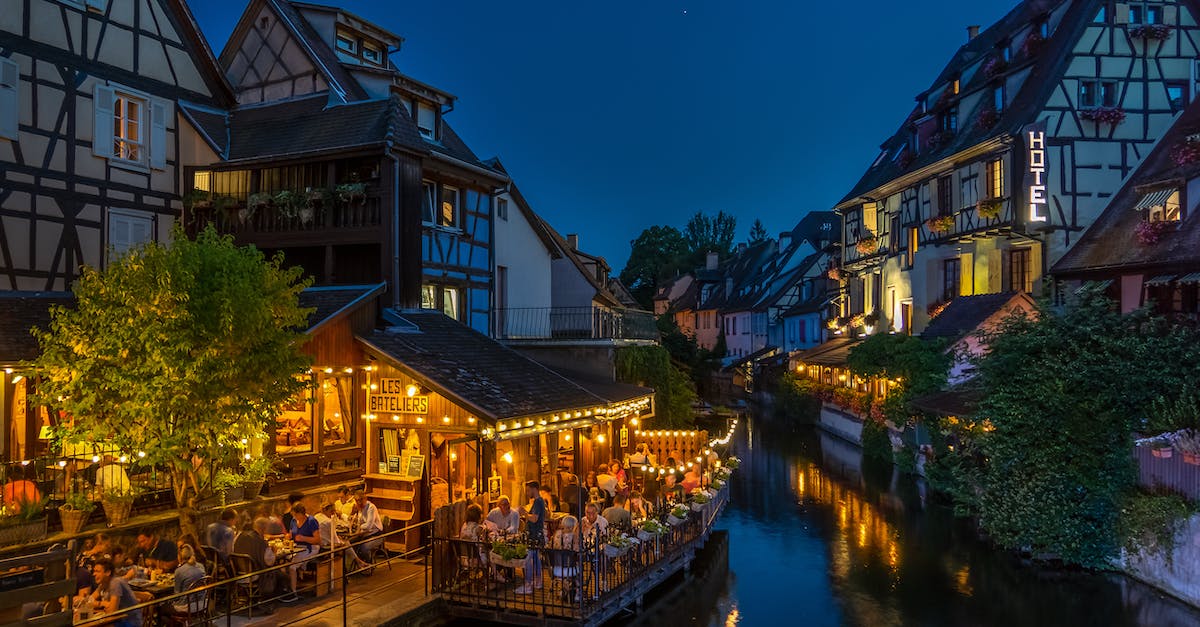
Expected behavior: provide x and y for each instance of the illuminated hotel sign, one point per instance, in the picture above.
(392, 397)
(1035, 174)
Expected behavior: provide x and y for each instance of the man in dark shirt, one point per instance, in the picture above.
(535, 525)
(220, 534)
(158, 554)
(618, 516)
(251, 543)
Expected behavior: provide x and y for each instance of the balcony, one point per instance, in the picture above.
(574, 324)
(987, 217)
(265, 218)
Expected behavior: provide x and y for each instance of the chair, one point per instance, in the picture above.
(198, 606)
(213, 563)
(470, 565)
(247, 588)
(564, 572)
(381, 550)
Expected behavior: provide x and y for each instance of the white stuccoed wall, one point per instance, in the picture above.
(1179, 576)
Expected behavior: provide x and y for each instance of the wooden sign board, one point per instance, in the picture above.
(415, 467)
(495, 485)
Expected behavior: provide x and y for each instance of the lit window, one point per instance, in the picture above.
(128, 119)
(450, 302)
(347, 43)
(1169, 211)
(996, 178)
(428, 297)
(955, 86)
(449, 208)
(442, 298)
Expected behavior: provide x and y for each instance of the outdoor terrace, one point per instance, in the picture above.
(574, 324)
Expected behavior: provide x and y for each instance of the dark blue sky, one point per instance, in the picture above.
(615, 115)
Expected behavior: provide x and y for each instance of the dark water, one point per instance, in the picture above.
(813, 542)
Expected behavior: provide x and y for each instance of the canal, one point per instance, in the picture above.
(814, 541)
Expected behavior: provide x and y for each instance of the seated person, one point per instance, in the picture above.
(156, 553)
(638, 506)
(220, 534)
(552, 502)
(369, 524)
(20, 490)
(505, 519)
(593, 525)
(473, 529)
(306, 533)
(617, 516)
(113, 594)
(188, 573)
(574, 497)
(272, 525)
(691, 481)
(671, 492)
(251, 543)
(287, 517)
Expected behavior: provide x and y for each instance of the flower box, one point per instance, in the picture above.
(23, 532)
(675, 522)
(1103, 115)
(1151, 32)
(1186, 152)
(867, 245)
(496, 560)
(1161, 452)
(989, 209)
(940, 224)
(613, 552)
(1148, 233)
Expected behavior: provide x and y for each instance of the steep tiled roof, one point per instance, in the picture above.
(212, 124)
(1110, 243)
(305, 125)
(330, 302)
(742, 269)
(966, 313)
(810, 228)
(475, 370)
(831, 353)
(20, 312)
(1043, 66)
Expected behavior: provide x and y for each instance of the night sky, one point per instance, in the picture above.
(618, 114)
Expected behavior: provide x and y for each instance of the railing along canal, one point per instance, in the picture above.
(591, 584)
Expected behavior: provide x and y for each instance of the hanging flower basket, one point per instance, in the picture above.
(940, 224)
(1032, 44)
(1151, 32)
(867, 245)
(989, 209)
(1103, 115)
(834, 274)
(1148, 233)
(1186, 152)
(995, 67)
(987, 119)
(939, 139)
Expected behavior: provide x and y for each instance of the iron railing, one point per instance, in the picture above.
(574, 323)
(56, 477)
(574, 584)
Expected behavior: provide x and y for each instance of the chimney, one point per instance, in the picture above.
(573, 241)
(972, 32)
(710, 262)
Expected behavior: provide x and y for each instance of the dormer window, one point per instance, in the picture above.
(1162, 205)
(949, 120)
(372, 53)
(347, 43)
(358, 48)
(427, 120)
(1006, 53)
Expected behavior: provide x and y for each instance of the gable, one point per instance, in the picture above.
(264, 60)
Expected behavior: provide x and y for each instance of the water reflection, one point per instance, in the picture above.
(817, 539)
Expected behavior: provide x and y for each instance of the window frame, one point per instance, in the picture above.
(945, 195)
(995, 178)
(1163, 211)
(999, 98)
(1025, 255)
(1184, 94)
(502, 209)
(439, 291)
(456, 207)
(351, 40)
(122, 213)
(951, 289)
(120, 120)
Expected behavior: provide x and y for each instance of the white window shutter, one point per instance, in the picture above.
(118, 234)
(10, 103)
(139, 231)
(158, 133)
(102, 129)
(1170, 12)
(1121, 13)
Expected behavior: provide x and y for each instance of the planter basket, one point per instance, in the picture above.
(73, 520)
(250, 489)
(116, 512)
(699, 507)
(675, 521)
(23, 533)
(646, 536)
(1191, 458)
(496, 560)
(612, 552)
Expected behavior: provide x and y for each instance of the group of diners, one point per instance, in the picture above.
(114, 573)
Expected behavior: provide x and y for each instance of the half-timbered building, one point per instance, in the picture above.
(1012, 153)
(347, 165)
(92, 141)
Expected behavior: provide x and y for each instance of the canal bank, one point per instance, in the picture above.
(813, 534)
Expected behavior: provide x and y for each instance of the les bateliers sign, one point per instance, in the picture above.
(392, 398)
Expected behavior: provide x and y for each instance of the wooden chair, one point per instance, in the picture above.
(248, 588)
(213, 563)
(380, 550)
(198, 607)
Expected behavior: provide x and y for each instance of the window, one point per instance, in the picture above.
(914, 240)
(998, 98)
(429, 296)
(1006, 53)
(1020, 272)
(336, 410)
(949, 120)
(449, 207)
(895, 235)
(1168, 211)
(294, 425)
(955, 86)
(10, 83)
(1135, 14)
(1108, 94)
(1101, 15)
(426, 120)
(347, 43)
(450, 302)
(1044, 28)
(1177, 96)
(429, 202)
(1087, 93)
(945, 196)
(1153, 14)
(951, 278)
(130, 128)
(371, 52)
(128, 229)
(502, 208)
(995, 178)
(441, 297)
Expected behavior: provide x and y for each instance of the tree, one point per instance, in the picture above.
(706, 234)
(657, 254)
(758, 232)
(1064, 392)
(651, 366)
(177, 355)
(921, 366)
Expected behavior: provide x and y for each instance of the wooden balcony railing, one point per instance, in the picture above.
(237, 217)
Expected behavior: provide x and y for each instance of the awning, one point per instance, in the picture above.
(1190, 278)
(1154, 198)
(1094, 286)
(1161, 279)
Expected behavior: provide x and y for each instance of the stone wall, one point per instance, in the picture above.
(1178, 573)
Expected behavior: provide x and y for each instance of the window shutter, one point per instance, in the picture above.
(102, 129)
(1121, 13)
(158, 133)
(1169, 13)
(119, 236)
(10, 104)
(139, 231)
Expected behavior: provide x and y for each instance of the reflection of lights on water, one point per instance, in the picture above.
(842, 515)
(893, 555)
(962, 581)
(733, 618)
(862, 535)
(800, 483)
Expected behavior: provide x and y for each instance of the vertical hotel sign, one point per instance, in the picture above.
(1035, 172)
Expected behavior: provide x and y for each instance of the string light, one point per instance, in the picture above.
(446, 419)
(471, 419)
(507, 457)
(411, 390)
(600, 438)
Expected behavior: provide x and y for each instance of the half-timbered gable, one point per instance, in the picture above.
(1012, 152)
(91, 143)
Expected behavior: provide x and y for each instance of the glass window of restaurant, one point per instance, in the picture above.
(294, 425)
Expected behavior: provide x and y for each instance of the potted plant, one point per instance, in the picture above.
(75, 511)
(352, 193)
(314, 198)
(23, 522)
(834, 273)
(117, 503)
(699, 501)
(224, 482)
(732, 463)
(618, 544)
(1161, 450)
(867, 245)
(288, 203)
(1188, 443)
(651, 529)
(254, 475)
(259, 201)
(940, 224)
(678, 515)
(197, 199)
(989, 208)
(1151, 32)
(508, 554)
